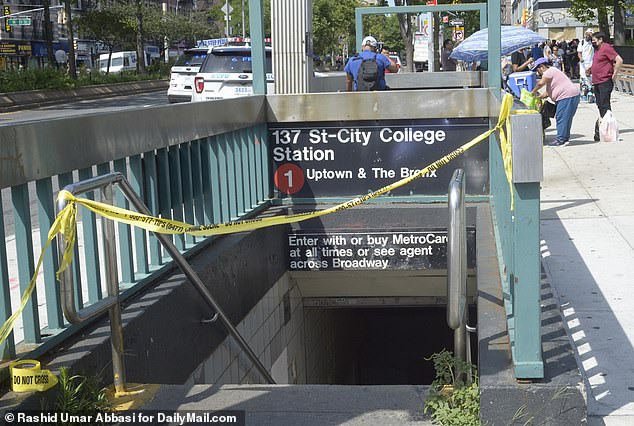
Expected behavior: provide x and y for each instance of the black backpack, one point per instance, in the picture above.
(368, 76)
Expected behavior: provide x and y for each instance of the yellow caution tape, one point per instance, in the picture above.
(65, 221)
(134, 397)
(27, 376)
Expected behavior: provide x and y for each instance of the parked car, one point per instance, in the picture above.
(398, 62)
(226, 73)
(183, 72)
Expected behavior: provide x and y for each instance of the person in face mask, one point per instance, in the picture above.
(605, 66)
(585, 52)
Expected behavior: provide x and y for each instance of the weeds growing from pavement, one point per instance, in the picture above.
(80, 395)
(451, 401)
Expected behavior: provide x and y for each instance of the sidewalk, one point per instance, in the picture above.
(587, 232)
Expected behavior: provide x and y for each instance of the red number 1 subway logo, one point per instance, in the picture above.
(289, 178)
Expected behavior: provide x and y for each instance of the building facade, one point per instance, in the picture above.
(552, 19)
(23, 38)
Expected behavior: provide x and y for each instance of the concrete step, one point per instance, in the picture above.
(282, 405)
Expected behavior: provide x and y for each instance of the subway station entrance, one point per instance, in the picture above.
(374, 277)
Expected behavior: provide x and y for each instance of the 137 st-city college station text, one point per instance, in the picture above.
(286, 148)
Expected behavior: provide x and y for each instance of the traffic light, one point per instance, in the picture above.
(524, 16)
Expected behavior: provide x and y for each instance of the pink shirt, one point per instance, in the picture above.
(559, 87)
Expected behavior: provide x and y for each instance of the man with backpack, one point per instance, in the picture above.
(366, 71)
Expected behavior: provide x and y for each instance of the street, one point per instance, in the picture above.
(73, 109)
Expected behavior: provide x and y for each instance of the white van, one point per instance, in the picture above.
(120, 61)
(182, 74)
(227, 73)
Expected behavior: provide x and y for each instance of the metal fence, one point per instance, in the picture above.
(516, 173)
(203, 165)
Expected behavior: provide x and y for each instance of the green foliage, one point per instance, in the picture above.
(587, 11)
(333, 25)
(115, 25)
(106, 26)
(51, 78)
(590, 11)
(386, 30)
(81, 395)
(176, 27)
(451, 402)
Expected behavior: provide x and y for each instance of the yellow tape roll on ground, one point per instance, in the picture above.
(27, 376)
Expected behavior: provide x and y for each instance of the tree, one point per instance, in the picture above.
(177, 27)
(116, 26)
(72, 69)
(407, 32)
(140, 51)
(107, 26)
(48, 33)
(589, 11)
(386, 30)
(333, 26)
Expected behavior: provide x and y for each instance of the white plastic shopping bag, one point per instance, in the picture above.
(608, 129)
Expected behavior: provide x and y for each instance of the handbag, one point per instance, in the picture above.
(608, 129)
(549, 109)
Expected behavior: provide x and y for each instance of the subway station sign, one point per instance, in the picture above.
(406, 249)
(354, 157)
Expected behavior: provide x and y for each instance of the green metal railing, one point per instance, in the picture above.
(515, 208)
(212, 179)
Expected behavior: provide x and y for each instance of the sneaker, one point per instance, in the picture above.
(558, 143)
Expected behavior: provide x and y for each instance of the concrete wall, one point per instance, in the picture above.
(274, 329)
(332, 344)
(296, 345)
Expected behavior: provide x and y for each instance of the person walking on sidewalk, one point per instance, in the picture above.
(563, 92)
(605, 66)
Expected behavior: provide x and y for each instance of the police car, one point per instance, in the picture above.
(227, 73)
(182, 74)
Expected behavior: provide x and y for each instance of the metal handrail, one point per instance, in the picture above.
(457, 264)
(111, 302)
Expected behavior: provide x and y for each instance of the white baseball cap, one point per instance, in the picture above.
(369, 41)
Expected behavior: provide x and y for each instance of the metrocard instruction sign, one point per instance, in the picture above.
(354, 157)
(372, 250)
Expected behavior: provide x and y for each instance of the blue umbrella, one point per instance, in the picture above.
(513, 38)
